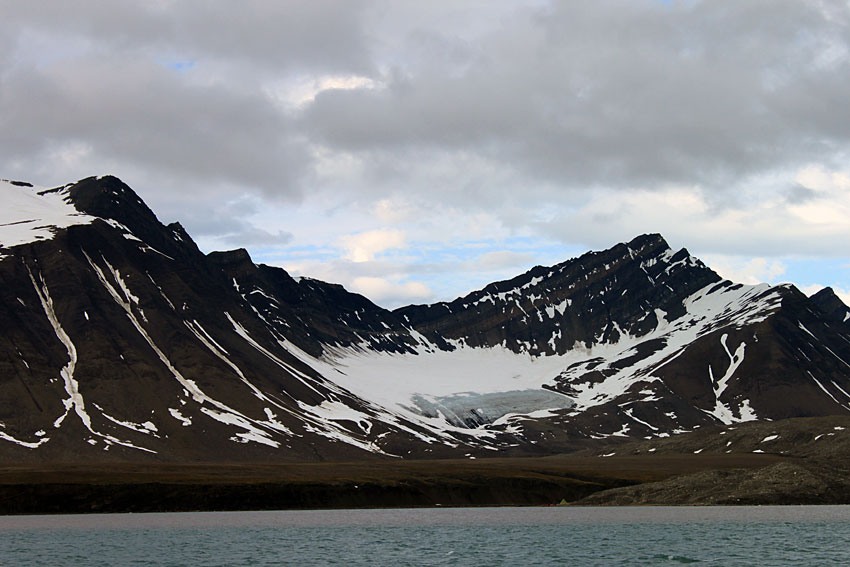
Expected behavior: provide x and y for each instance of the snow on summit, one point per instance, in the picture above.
(30, 213)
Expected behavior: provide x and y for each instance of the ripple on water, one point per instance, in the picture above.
(729, 537)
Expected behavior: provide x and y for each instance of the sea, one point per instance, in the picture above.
(725, 536)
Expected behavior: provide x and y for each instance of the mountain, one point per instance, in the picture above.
(121, 340)
(831, 305)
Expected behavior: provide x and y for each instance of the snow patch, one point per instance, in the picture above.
(222, 412)
(175, 413)
(148, 428)
(337, 411)
(722, 411)
(30, 214)
(72, 388)
(28, 444)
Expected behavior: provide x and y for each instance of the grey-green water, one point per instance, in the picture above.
(770, 536)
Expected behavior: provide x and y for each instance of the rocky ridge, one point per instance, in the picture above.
(121, 340)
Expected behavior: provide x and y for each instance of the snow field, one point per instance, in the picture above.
(27, 216)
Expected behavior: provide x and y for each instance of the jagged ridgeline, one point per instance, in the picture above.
(121, 340)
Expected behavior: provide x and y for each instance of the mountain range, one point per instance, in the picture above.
(121, 341)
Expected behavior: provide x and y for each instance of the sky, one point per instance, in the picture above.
(414, 151)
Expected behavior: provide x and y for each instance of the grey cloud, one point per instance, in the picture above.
(211, 218)
(778, 234)
(252, 236)
(301, 35)
(294, 35)
(478, 105)
(798, 194)
(86, 88)
(621, 94)
(137, 112)
(572, 95)
(215, 225)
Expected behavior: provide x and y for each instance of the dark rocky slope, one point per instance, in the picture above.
(121, 341)
(816, 469)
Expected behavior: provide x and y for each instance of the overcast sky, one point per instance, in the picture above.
(413, 151)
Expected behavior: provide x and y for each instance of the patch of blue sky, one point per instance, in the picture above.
(281, 255)
(181, 66)
(807, 272)
(453, 271)
(548, 252)
(450, 287)
(536, 250)
(450, 270)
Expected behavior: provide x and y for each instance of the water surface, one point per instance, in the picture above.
(727, 536)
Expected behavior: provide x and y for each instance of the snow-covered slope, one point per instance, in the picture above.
(469, 386)
(636, 340)
(32, 213)
(121, 340)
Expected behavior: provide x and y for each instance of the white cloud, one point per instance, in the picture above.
(294, 94)
(829, 208)
(502, 259)
(399, 279)
(748, 271)
(843, 294)
(756, 221)
(820, 179)
(810, 290)
(386, 292)
(395, 211)
(364, 246)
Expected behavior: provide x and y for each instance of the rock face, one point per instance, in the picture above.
(121, 340)
(831, 305)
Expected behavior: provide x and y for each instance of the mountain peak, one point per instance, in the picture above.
(236, 256)
(825, 292)
(653, 239)
(830, 304)
(108, 197)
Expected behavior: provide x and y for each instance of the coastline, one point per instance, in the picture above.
(531, 481)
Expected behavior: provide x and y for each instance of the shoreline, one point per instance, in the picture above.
(175, 487)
